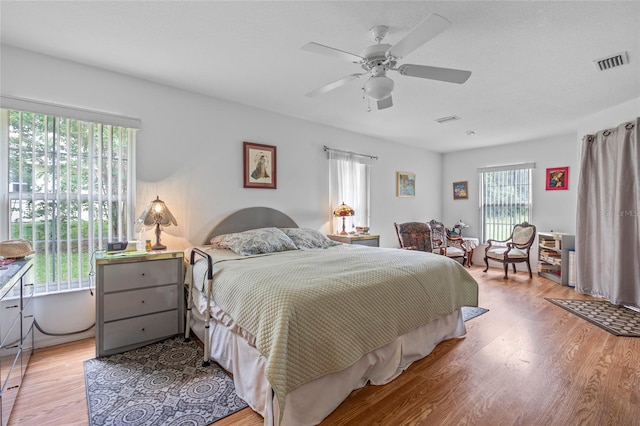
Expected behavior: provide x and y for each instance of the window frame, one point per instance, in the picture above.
(81, 278)
(504, 230)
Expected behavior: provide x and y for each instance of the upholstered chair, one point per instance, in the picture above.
(514, 249)
(447, 245)
(414, 236)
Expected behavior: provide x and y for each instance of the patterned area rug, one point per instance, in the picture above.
(617, 320)
(470, 312)
(160, 384)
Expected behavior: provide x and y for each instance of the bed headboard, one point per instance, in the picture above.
(251, 218)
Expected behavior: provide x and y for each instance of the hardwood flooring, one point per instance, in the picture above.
(526, 362)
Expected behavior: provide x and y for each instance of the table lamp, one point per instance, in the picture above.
(157, 214)
(343, 211)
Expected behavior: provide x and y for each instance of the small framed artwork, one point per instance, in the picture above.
(259, 166)
(460, 190)
(406, 184)
(557, 178)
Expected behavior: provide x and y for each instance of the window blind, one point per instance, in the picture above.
(505, 199)
(71, 189)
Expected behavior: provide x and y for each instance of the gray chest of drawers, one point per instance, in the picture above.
(16, 331)
(139, 300)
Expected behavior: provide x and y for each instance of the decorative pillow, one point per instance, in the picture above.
(306, 238)
(254, 241)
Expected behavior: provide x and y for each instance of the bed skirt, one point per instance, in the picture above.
(312, 402)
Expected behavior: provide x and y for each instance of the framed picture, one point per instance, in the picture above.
(406, 184)
(460, 190)
(557, 178)
(259, 166)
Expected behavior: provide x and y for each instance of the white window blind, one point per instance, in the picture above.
(70, 190)
(505, 199)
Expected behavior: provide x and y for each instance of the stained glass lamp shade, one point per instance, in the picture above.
(343, 211)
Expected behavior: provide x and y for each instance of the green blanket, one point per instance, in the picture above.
(315, 312)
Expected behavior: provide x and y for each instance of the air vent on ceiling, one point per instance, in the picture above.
(446, 119)
(616, 60)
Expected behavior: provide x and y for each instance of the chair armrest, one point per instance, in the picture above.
(492, 243)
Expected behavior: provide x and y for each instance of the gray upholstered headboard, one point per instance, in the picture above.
(251, 218)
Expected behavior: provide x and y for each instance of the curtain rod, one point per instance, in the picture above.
(326, 148)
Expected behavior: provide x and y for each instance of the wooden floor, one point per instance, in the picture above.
(526, 362)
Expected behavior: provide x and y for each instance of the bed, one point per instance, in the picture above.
(300, 321)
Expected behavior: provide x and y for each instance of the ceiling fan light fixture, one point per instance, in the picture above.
(379, 88)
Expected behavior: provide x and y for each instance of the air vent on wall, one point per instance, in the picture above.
(445, 119)
(616, 60)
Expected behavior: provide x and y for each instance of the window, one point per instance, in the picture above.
(505, 199)
(69, 190)
(349, 183)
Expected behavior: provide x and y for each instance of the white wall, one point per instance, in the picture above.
(608, 118)
(190, 154)
(552, 210)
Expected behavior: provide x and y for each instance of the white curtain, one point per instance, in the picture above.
(608, 216)
(349, 184)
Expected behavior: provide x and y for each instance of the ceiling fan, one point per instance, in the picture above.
(379, 58)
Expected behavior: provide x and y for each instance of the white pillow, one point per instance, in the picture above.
(306, 238)
(254, 241)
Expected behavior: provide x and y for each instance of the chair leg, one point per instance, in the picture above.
(486, 262)
(529, 267)
(514, 267)
(506, 269)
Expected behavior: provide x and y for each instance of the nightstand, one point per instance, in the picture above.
(363, 240)
(138, 300)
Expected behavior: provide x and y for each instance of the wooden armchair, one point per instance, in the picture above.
(514, 249)
(414, 236)
(447, 245)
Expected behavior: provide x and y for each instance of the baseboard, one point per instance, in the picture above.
(43, 341)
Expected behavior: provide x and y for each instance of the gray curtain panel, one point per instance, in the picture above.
(608, 218)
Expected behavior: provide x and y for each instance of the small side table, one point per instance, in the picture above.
(363, 240)
(139, 299)
(470, 243)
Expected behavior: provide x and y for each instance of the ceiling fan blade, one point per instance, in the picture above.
(334, 85)
(385, 103)
(332, 52)
(422, 33)
(435, 73)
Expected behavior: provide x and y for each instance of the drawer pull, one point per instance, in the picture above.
(28, 316)
(13, 387)
(143, 301)
(12, 307)
(143, 274)
(143, 329)
(12, 347)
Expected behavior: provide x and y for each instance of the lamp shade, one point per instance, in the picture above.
(156, 214)
(379, 88)
(343, 210)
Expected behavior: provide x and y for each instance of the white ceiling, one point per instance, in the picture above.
(531, 61)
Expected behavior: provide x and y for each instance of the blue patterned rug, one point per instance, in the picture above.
(160, 384)
(470, 312)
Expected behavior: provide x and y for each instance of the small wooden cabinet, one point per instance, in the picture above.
(138, 301)
(16, 330)
(553, 256)
(363, 240)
